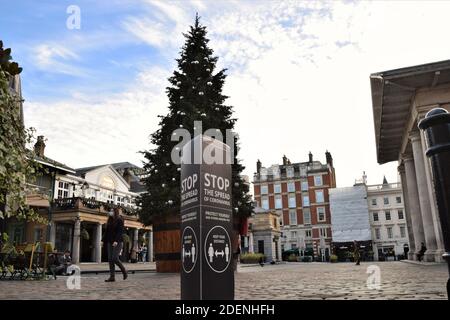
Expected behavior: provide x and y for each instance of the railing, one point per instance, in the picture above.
(81, 202)
(35, 189)
(380, 187)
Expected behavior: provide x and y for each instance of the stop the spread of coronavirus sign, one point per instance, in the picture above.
(206, 227)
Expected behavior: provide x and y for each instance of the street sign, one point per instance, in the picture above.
(206, 224)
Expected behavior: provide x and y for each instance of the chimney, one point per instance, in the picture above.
(39, 146)
(310, 157)
(258, 166)
(329, 158)
(285, 160)
(127, 176)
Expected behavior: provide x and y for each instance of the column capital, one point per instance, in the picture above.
(414, 136)
(407, 157)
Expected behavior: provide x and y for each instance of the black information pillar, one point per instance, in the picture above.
(206, 222)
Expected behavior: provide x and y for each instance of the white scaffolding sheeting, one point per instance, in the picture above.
(350, 214)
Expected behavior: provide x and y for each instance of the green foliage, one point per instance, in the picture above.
(84, 234)
(16, 161)
(251, 257)
(126, 238)
(333, 258)
(293, 258)
(195, 94)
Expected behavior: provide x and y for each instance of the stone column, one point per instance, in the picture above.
(136, 239)
(151, 256)
(433, 204)
(412, 245)
(76, 242)
(250, 243)
(414, 206)
(53, 233)
(424, 200)
(98, 244)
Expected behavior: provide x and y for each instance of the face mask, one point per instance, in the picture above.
(110, 213)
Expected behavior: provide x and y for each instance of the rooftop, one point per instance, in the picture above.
(392, 92)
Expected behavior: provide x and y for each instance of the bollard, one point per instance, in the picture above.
(437, 131)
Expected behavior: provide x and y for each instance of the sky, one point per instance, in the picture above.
(298, 73)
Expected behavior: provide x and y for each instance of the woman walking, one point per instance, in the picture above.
(114, 243)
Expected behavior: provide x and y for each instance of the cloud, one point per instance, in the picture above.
(298, 77)
(55, 58)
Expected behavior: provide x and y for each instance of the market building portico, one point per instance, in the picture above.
(400, 99)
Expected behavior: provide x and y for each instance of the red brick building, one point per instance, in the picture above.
(299, 191)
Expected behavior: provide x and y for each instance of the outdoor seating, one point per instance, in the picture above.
(27, 261)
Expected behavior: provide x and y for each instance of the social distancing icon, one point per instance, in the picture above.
(189, 249)
(217, 249)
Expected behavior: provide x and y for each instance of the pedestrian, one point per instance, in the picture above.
(356, 254)
(113, 238)
(421, 253)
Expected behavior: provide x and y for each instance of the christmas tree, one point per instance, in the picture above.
(195, 94)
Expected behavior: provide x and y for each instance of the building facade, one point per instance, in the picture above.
(350, 221)
(76, 204)
(265, 234)
(387, 220)
(299, 193)
(400, 100)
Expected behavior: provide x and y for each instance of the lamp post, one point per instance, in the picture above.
(437, 131)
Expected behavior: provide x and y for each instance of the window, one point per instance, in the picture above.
(306, 216)
(110, 198)
(291, 187)
(63, 189)
(277, 188)
(294, 234)
(386, 200)
(321, 214)
(292, 203)
(278, 202)
(389, 232)
(398, 199)
(38, 234)
(263, 174)
(264, 189)
(290, 172)
(375, 216)
(323, 232)
(303, 171)
(305, 186)
(400, 215)
(377, 233)
(306, 201)
(374, 202)
(402, 232)
(319, 196)
(308, 233)
(281, 219)
(292, 217)
(388, 215)
(275, 223)
(293, 246)
(317, 180)
(276, 172)
(265, 203)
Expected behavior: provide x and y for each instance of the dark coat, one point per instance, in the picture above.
(114, 230)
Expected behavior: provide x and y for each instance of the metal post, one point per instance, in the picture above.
(437, 130)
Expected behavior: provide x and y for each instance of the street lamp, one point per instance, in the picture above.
(437, 130)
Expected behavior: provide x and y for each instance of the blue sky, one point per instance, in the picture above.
(298, 73)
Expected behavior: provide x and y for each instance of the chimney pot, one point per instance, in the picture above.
(39, 146)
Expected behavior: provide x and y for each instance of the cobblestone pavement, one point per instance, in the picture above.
(285, 281)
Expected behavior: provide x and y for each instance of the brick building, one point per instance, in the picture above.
(299, 192)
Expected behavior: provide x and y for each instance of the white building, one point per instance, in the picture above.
(387, 219)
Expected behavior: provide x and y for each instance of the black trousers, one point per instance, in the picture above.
(113, 259)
